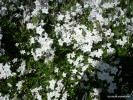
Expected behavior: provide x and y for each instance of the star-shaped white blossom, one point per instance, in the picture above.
(52, 84)
(45, 10)
(64, 74)
(30, 26)
(39, 30)
(74, 71)
(60, 17)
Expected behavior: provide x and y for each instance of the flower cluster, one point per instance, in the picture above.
(5, 71)
(61, 48)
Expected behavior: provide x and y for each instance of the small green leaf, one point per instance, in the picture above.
(91, 27)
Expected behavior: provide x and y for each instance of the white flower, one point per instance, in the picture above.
(50, 95)
(99, 18)
(112, 87)
(85, 77)
(60, 85)
(59, 1)
(98, 53)
(60, 17)
(90, 60)
(72, 55)
(35, 12)
(96, 91)
(36, 89)
(78, 8)
(79, 76)
(114, 70)
(36, 94)
(108, 5)
(39, 30)
(76, 63)
(9, 84)
(104, 66)
(64, 97)
(86, 48)
(64, 74)
(60, 42)
(73, 13)
(67, 17)
(80, 58)
(110, 50)
(30, 26)
(54, 94)
(45, 10)
(22, 68)
(125, 38)
(52, 84)
(92, 15)
(32, 40)
(15, 60)
(26, 17)
(86, 4)
(74, 71)
(19, 84)
(108, 33)
(95, 63)
(71, 61)
(37, 3)
(103, 76)
(67, 40)
(84, 68)
(119, 42)
(42, 23)
(5, 97)
(77, 30)
(38, 52)
(5, 71)
(22, 52)
(56, 70)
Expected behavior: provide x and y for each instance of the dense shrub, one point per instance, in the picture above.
(66, 49)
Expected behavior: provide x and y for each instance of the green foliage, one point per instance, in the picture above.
(14, 31)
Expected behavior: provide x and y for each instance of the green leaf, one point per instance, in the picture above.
(91, 26)
(34, 20)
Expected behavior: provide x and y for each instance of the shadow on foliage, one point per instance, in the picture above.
(123, 80)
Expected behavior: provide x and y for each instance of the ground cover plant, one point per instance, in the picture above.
(66, 49)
